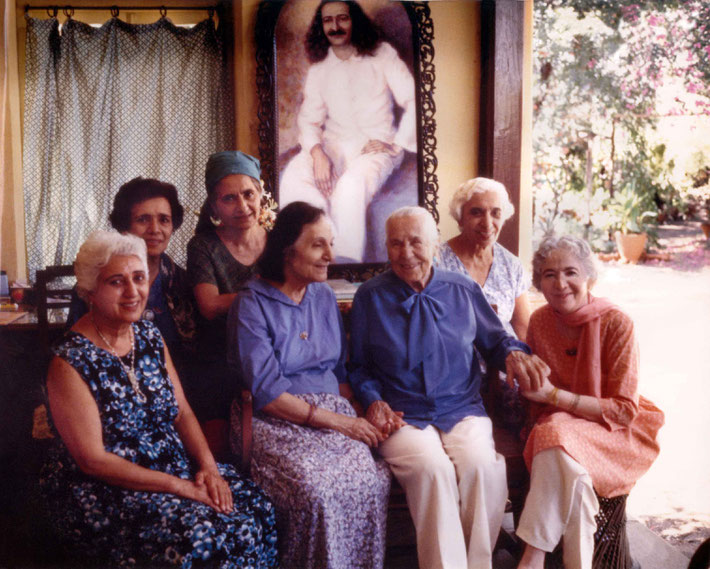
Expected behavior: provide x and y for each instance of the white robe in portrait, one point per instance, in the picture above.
(347, 103)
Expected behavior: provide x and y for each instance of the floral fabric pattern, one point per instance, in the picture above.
(121, 527)
(179, 297)
(506, 280)
(330, 494)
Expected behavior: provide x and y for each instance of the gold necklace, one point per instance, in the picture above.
(130, 372)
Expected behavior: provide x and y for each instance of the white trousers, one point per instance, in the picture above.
(358, 177)
(561, 504)
(456, 491)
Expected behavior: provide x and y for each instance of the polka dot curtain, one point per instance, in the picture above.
(103, 105)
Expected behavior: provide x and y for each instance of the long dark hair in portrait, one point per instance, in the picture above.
(288, 227)
(365, 36)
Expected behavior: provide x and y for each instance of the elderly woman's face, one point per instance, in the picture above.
(409, 251)
(152, 221)
(310, 255)
(564, 282)
(121, 289)
(481, 218)
(237, 201)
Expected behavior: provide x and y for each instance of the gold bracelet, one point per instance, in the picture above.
(575, 402)
(552, 396)
(311, 412)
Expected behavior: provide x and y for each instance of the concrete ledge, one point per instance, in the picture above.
(647, 549)
(651, 551)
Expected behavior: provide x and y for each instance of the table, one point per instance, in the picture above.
(28, 319)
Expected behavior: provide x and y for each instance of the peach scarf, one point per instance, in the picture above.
(587, 370)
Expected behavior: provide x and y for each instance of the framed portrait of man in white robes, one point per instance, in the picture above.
(346, 116)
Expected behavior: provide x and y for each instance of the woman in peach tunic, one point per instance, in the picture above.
(592, 432)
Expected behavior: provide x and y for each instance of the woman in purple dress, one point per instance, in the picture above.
(311, 453)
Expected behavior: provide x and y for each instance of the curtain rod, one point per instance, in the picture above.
(68, 9)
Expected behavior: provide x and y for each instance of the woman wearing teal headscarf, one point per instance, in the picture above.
(220, 258)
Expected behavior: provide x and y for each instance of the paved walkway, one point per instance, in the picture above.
(670, 305)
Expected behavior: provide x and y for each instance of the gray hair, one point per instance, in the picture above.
(575, 245)
(96, 252)
(431, 232)
(479, 186)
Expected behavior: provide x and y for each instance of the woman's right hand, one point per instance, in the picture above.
(199, 492)
(361, 430)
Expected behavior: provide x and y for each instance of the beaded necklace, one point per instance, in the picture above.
(130, 372)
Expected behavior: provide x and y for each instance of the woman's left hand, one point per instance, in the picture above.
(541, 395)
(217, 489)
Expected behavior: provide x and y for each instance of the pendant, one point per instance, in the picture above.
(134, 383)
(303, 335)
(133, 378)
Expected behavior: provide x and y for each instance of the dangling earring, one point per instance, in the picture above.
(216, 221)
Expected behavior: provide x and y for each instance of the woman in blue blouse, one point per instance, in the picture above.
(311, 455)
(414, 329)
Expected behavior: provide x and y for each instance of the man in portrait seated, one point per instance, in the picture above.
(349, 136)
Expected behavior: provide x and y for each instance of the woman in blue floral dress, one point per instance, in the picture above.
(131, 480)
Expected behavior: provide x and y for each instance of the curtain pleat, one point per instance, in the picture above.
(103, 105)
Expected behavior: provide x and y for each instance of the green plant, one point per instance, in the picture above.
(628, 213)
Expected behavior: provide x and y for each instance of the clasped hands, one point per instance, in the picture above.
(210, 488)
(384, 419)
(531, 373)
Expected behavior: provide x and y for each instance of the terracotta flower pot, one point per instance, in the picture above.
(630, 246)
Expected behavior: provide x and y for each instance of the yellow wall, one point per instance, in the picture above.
(12, 228)
(456, 95)
(525, 250)
(457, 58)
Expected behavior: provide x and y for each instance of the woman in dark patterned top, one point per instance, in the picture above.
(150, 209)
(220, 259)
(130, 481)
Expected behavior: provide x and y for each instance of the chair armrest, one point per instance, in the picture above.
(247, 413)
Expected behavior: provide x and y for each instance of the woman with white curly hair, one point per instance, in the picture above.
(481, 206)
(592, 435)
(130, 479)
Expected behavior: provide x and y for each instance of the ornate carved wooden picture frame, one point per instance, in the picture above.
(282, 66)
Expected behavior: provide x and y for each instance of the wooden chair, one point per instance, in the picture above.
(47, 298)
(50, 298)
(36, 542)
(247, 409)
(506, 435)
